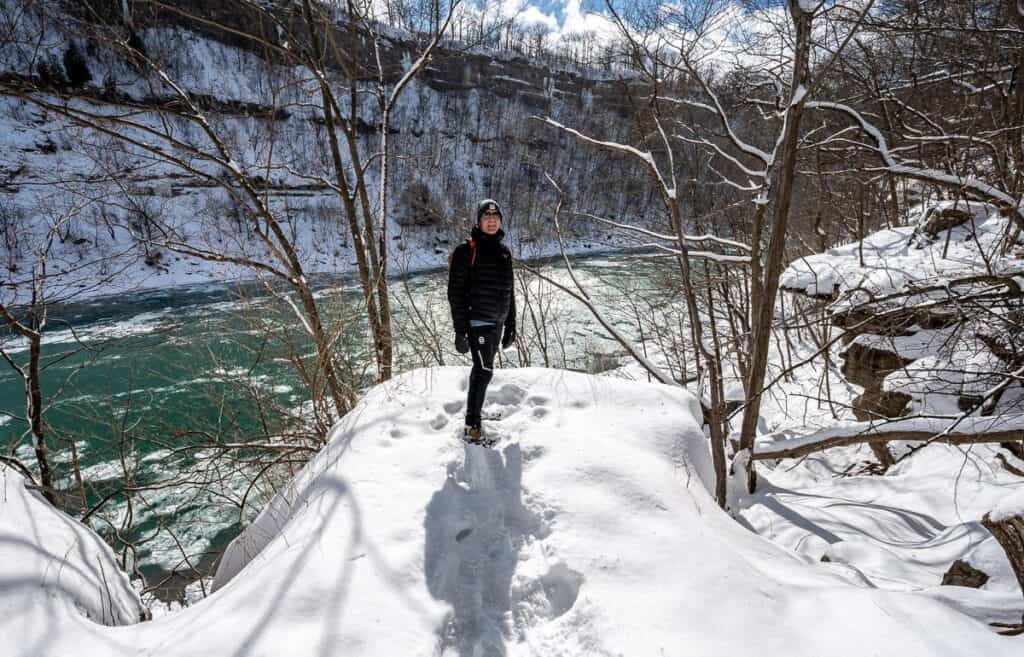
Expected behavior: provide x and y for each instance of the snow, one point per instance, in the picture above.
(507, 78)
(589, 530)
(921, 343)
(900, 531)
(990, 558)
(734, 392)
(799, 93)
(839, 267)
(52, 566)
(1009, 506)
(977, 209)
(892, 259)
(965, 368)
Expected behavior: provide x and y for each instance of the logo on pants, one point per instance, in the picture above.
(481, 339)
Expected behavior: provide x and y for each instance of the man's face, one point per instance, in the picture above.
(490, 222)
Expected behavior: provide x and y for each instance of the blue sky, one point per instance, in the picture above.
(557, 7)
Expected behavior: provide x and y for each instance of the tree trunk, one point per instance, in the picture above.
(765, 304)
(324, 352)
(716, 421)
(34, 397)
(384, 345)
(756, 280)
(710, 361)
(368, 268)
(1017, 112)
(1010, 534)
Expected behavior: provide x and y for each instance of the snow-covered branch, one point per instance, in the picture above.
(669, 238)
(896, 167)
(701, 255)
(723, 118)
(970, 430)
(757, 173)
(645, 156)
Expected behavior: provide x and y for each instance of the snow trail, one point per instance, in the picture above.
(589, 532)
(477, 529)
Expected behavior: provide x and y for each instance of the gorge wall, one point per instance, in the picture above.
(466, 129)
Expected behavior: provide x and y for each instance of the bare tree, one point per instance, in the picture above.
(670, 46)
(337, 46)
(24, 312)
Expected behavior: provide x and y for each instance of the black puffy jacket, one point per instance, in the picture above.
(481, 286)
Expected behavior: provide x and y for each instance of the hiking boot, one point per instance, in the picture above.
(474, 436)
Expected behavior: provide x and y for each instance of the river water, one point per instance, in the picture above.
(135, 379)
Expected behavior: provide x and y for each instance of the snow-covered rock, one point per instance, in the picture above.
(890, 260)
(589, 530)
(960, 368)
(922, 305)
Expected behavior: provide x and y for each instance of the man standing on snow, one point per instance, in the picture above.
(482, 296)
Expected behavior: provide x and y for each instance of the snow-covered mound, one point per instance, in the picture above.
(589, 530)
(53, 567)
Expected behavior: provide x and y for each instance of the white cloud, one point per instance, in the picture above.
(577, 20)
(531, 16)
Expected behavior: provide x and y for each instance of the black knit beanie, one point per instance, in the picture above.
(484, 206)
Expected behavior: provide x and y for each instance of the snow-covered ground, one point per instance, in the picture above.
(588, 530)
(903, 529)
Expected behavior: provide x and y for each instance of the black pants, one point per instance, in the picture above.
(483, 344)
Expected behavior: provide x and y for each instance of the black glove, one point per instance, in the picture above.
(509, 337)
(461, 343)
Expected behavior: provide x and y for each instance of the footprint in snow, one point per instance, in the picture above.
(508, 395)
(474, 536)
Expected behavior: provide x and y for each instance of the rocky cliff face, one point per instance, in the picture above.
(867, 366)
(466, 129)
